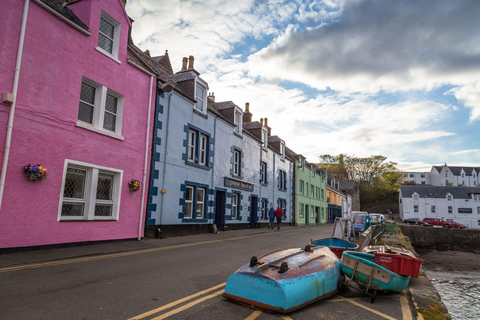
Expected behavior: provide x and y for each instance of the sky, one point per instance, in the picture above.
(357, 77)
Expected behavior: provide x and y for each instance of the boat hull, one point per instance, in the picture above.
(336, 245)
(370, 275)
(304, 282)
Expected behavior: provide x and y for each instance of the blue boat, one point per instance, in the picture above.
(370, 277)
(287, 279)
(336, 245)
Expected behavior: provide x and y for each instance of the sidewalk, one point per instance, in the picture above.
(68, 251)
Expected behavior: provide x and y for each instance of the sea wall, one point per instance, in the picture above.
(442, 239)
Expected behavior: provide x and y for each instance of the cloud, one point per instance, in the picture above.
(469, 95)
(380, 45)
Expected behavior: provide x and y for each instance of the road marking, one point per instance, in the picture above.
(188, 305)
(122, 254)
(254, 315)
(407, 314)
(286, 318)
(174, 303)
(369, 309)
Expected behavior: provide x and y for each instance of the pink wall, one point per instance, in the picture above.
(55, 58)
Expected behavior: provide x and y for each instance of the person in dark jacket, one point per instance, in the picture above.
(279, 214)
(271, 217)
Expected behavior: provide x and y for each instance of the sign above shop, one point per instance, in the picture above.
(238, 184)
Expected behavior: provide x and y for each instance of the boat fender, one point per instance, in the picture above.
(253, 261)
(308, 248)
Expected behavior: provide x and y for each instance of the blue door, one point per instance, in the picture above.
(253, 212)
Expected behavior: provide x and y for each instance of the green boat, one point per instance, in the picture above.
(370, 277)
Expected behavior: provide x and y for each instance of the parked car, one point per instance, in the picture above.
(438, 222)
(458, 225)
(377, 218)
(417, 222)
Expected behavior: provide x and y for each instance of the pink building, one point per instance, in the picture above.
(84, 111)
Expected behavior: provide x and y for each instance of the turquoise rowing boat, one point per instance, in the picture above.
(286, 280)
(370, 277)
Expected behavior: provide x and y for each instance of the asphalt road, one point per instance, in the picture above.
(183, 280)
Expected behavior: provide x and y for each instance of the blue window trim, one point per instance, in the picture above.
(239, 194)
(284, 187)
(208, 163)
(201, 114)
(195, 186)
(265, 182)
(267, 208)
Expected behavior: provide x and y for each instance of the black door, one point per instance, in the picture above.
(220, 210)
(253, 212)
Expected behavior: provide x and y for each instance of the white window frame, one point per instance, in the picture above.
(450, 209)
(99, 111)
(192, 145)
(449, 197)
(234, 206)
(91, 181)
(264, 138)
(204, 86)
(478, 210)
(415, 208)
(116, 37)
(238, 120)
(432, 209)
(203, 150)
(190, 216)
(282, 149)
(263, 173)
(415, 196)
(237, 160)
(200, 202)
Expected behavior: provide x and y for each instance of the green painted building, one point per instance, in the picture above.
(309, 192)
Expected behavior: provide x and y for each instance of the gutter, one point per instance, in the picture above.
(147, 139)
(8, 138)
(140, 68)
(58, 15)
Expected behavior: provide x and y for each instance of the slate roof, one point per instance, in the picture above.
(184, 76)
(424, 191)
(224, 105)
(458, 170)
(274, 139)
(439, 168)
(57, 5)
(346, 185)
(164, 61)
(290, 153)
(252, 125)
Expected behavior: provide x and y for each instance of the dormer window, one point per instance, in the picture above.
(449, 197)
(282, 149)
(301, 163)
(108, 36)
(199, 96)
(415, 197)
(264, 138)
(238, 121)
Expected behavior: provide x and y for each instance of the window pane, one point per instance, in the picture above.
(75, 183)
(106, 28)
(189, 194)
(199, 96)
(104, 186)
(109, 121)
(188, 210)
(85, 112)
(105, 43)
(103, 210)
(72, 209)
(200, 194)
(111, 104)
(87, 93)
(191, 145)
(199, 92)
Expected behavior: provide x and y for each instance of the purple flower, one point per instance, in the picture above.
(35, 168)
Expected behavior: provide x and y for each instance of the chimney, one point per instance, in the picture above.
(211, 96)
(247, 116)
(147, 52)
(184, 64)
(190, 63)
(261, 121)
(269, 129)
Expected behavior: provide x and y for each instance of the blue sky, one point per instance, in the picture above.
(359, 77)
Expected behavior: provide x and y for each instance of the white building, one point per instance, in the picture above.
(460, 204)
(446, 176)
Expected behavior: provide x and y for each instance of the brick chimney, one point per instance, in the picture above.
(247, 116)
(211, 96)
(269, 129)
(184, 64)
(190, 63)
(261, 121)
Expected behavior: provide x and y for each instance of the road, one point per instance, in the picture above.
(183, 280)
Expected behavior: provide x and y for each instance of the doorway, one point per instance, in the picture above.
(253, 212)
(220, 210)
(317, 218)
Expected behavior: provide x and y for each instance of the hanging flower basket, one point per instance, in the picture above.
(134, 185)
(35, 172)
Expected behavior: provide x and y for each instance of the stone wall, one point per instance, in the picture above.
(427, 238)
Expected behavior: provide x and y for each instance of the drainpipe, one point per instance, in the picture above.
(8, 139)
(213, 151)
(147, 140)
(166, 153)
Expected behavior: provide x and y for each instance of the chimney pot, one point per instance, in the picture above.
(211, 96)
(247, 106)
(190, 63)
(261, 121)
(266, 122)
(184, 64)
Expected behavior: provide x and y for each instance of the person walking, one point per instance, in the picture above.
(271, 217)
(279, 214)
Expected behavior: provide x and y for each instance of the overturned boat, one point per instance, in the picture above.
(286, 280)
